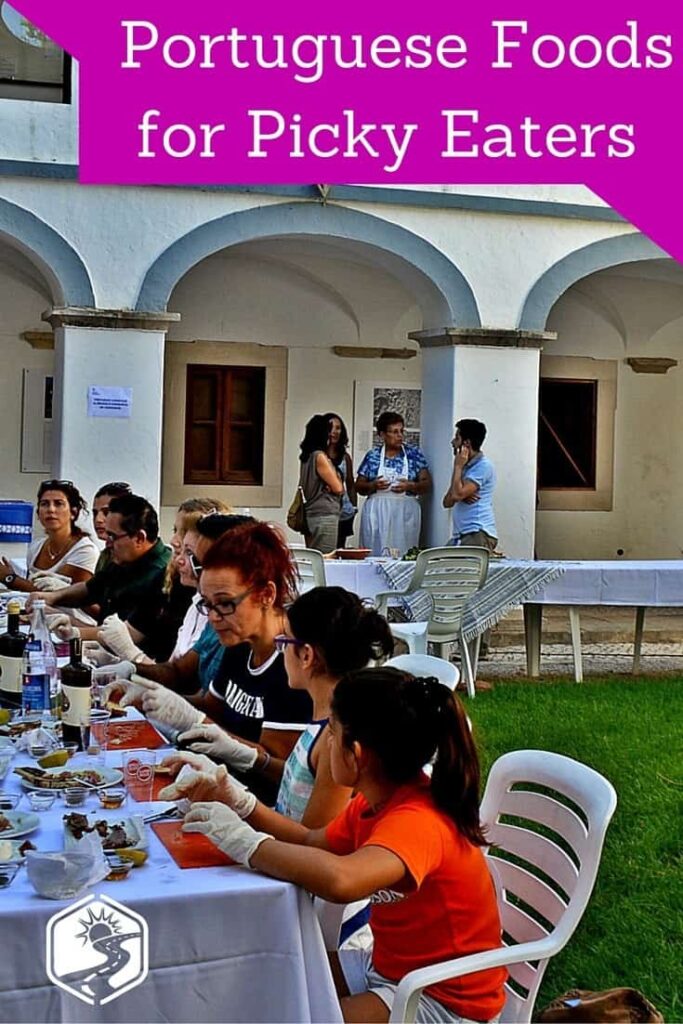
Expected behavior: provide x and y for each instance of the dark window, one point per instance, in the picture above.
(224, 424)
(31, 66)
(566, 434)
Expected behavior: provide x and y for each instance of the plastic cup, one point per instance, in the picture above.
(39, 800)
(138, 773)
(94, 729)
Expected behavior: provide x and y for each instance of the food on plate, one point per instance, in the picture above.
(5, 823)
(6, 849)
(26, 846)
(59, 780)
(5, 716)
(113, 835)
(138, 857)
(55, 760)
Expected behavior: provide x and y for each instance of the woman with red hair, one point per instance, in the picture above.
(248, 577)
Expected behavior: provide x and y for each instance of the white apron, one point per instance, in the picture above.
(390, 519)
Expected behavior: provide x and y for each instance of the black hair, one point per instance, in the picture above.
(387, 419)
(343, 442)
(73, 496)
(214, 524)
(136, 514)
(472, 431)
(115, 490)
(345, 633)
(315, 436)
(405, 720)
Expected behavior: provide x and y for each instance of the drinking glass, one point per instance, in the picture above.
(94, 728)
(138, 774)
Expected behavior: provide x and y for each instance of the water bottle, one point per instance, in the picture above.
(40, 632)
(35, 690)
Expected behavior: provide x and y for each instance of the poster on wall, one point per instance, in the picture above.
(371, 399)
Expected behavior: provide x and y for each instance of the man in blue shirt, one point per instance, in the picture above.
(470, 494)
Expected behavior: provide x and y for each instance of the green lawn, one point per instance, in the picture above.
(630, 730)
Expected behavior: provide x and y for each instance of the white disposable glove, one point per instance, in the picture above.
(62, 626)
(96, 654)
(121, 669)
(214, 784)
(121, 691)
(226, 830)
(180, 758)
(114, 634)
(166, 707)
(50, 581)
(217, 743)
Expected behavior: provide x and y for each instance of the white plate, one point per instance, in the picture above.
(109, 777)
(21, 823)
(134, 826)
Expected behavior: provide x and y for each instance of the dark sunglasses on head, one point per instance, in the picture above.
(57, 483)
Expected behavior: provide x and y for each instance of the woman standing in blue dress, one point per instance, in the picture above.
(392, 476)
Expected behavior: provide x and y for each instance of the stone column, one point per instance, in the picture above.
(489, 375)
(109, 348)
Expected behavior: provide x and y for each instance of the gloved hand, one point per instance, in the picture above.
(226, 830)
(62, 626)
(180, 758)
(50, 581)
(217, 743)
(114, 634)
(166, 707)
(96, 655)
(215, 784)
(121, 669)
(121, 690)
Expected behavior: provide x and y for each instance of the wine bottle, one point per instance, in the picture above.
(12, 644)
(76, 683)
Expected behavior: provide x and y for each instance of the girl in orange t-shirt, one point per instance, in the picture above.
(410, 844)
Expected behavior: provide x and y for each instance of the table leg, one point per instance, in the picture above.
(575, 628)
(638, 639)
(533, 619)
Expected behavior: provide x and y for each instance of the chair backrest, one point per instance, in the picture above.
(546, 817)
(310, 566)
(450, 576)
(426, 665)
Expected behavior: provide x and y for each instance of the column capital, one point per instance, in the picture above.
(487, 337)
(111, 319)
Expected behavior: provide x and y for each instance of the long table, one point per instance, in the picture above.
(636, 584)
(225, 943)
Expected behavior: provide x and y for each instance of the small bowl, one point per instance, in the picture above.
(118, 869)
(9, 801)
(74, 796)
(39, 800)
(111, 798)
(38, 750)
(7, 874)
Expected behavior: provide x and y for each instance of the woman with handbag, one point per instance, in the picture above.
(321, 487)
(337, 443)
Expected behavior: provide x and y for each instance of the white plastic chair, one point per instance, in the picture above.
(450, 576)
(426, 665)
(310, 566)
(557, 811)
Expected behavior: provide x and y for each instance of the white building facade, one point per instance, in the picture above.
(535, 309)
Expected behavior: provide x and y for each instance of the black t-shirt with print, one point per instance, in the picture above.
(254, 695)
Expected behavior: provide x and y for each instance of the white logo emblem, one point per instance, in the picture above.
(97, 949)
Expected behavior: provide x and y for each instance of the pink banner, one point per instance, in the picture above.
(388, 94)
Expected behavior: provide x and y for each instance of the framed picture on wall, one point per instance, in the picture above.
(371, 399)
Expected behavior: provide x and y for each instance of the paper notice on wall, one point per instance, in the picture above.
(112, 402)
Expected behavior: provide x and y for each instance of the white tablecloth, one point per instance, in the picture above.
(635, 583)
(226, 944)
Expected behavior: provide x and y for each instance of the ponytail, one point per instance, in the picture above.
(406, 721)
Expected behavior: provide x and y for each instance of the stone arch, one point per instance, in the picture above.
(609, 252)
(440, 289)
(59, 263)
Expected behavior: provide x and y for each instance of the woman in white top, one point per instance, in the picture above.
(67, 554)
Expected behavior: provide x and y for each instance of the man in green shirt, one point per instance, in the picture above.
(134, 578)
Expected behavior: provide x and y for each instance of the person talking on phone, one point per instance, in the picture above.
(470, 493)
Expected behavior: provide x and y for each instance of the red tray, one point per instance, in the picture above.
(189, 849)
(130, 736)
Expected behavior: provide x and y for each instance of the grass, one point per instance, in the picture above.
(630, 731)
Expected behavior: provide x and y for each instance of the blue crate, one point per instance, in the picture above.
(16, 522)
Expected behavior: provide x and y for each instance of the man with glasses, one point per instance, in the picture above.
(133, 580)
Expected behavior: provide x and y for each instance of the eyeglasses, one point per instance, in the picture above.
(282, 642)
(113, 537)
(57, 483)
(222, 609)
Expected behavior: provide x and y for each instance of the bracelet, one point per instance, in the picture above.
(268, 759)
